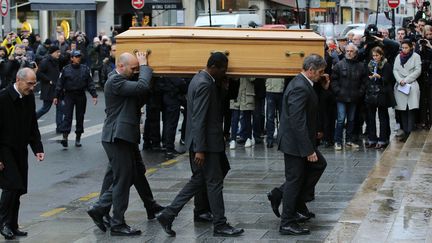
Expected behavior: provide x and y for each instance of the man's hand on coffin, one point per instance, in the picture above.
(142, 58)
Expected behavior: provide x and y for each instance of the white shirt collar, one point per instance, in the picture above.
(16, 89)
(209, 75)
(310, 81)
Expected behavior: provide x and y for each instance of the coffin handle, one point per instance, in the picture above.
(149, 51)
(300, 53)
(226, 52)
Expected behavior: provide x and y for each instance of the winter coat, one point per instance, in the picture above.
(409, 73)
(349, 79)
(48, 74)
(379, 91)
(246, 96)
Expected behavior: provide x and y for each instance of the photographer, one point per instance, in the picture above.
(82, 42)
(424, 49)
(375, 38)
(18, 60)
(3, 66)
(10, 41)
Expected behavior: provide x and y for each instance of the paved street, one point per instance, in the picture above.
(67, 182)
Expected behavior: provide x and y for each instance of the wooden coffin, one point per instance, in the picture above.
(251, 52)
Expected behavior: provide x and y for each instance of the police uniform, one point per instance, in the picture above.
(73, 81)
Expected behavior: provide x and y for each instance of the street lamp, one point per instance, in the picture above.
(209, 7)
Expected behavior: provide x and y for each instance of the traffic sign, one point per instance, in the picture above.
(393, 3)
(4, 7)
(137, 4)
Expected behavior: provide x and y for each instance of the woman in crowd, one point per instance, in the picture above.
(379, 96)
(406, 70)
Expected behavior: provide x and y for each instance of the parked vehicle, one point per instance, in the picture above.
(360, 27)
(383, 21)
(229, 20)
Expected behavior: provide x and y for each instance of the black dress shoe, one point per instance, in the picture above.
(124, 230)
(275, 198)
(97, 218)
(204, 217)
(151, 212)
(270, 145)
(166, 224)
(18, 232)
(64, 143)
(7, 232)
(107, 220)
(303, 217)
(227, 230)
(293, 229)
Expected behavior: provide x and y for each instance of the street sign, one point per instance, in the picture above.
(137, 4)
(393, 3)
(4, 4)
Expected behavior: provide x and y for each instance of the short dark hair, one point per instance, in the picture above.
(314, 61)
(408, 42)
(403, 29)
(378, 50)
(217, 59)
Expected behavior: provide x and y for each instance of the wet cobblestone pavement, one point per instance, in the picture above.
(254, 172)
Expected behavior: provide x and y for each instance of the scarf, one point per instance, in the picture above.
(380, 66)
(405, 57)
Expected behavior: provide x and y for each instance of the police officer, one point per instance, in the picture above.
(74, 80)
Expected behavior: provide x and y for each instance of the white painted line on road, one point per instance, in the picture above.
(51, 127)
(90, 131)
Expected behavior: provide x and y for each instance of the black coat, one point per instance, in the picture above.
(379, 92)
(48, 71)
(349, 79)
(18, 129)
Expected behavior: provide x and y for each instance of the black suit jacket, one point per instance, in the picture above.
(18, 129)
(299, 114)
(204, 129)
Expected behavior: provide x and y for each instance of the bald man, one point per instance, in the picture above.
(18, 129)
(120, 139)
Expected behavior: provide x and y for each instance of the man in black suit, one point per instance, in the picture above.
(18, 129)
(206, 144)
(120, 139)
(304, 164)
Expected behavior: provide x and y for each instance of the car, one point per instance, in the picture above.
(229, 20)
(350, 27)
(355, 32)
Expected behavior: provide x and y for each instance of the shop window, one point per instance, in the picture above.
(57, 17)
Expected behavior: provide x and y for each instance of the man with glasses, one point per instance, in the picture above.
(18, 129)
(74, 80)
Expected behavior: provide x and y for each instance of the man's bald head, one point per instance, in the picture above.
(127, 64)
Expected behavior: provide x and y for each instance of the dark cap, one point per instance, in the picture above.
(75, 53)
(53, 49)
(47, 42)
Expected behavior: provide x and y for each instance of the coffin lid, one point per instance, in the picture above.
(220, 33)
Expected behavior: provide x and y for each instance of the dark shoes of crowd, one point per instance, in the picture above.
(168, 153)
(10, 234)
(64, 142)
(103, 221)
(225, 230)
(293, 228)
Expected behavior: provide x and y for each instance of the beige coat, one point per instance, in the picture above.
(246, 96)
(409, 73)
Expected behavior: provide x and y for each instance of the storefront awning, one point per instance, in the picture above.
(62, 5)
(164, 4)
(289, 3)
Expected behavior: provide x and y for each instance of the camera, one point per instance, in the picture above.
(422, 42)
(33, 65)
(370, 32)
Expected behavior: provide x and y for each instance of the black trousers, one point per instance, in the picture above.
(122, 158)
(210, 176)
(140, 182)
(301, 177)
(171, 115)
(408, 120)
(151, 135)
(77, 100)
(384, 124)
(9, 208)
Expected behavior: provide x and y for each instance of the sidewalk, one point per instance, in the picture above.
(254, 172)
